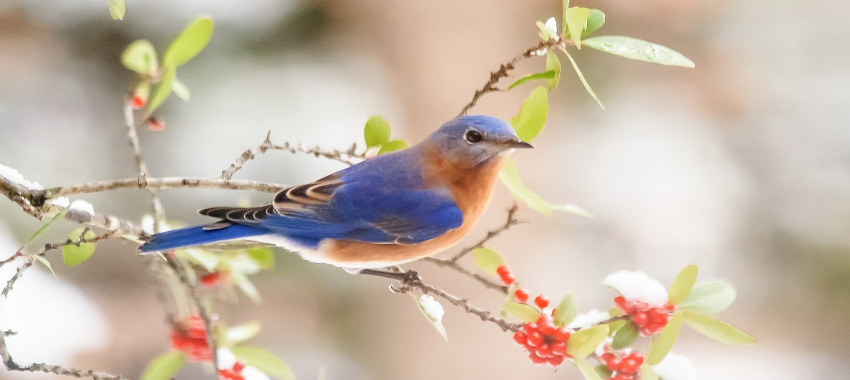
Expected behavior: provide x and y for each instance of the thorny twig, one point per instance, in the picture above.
(412, 282)
(348, 157)
(506, 68)
(11, 365)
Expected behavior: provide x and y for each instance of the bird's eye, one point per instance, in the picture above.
(472, 136)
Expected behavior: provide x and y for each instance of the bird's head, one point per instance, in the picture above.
(476, 139)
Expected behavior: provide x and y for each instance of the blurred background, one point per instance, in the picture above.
(741, 165)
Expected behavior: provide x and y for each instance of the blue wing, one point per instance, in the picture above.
(367, 202)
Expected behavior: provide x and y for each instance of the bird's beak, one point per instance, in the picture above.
(517, 144)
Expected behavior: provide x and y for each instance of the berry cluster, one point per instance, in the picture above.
(190, 336)
(624, 368)
(233, 373)
(545, 342)
(648, 319)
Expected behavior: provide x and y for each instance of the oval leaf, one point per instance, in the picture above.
(117, 9)
(163, 90)
(576, 19)
(164, 366)
(487, 260)
(581, 77)
(376, 132)
(566, 311)
(640, 50)
(594, 22)
(682, 284)
(437, 323)
(586, 369)
(585, 341)
(532, 115)
(264, 361)
(717, 329)
(524, 312)
(548, 75)
(73, 255)
(190, 42)
(710, 297)
(625, 336)
(392, 146)
(240, 333)
(662, 344)
(509, 175)
(140, 56)
(647, 373)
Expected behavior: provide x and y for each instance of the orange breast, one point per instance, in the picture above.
(471, 188)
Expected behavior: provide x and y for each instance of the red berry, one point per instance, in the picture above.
(536, 359)
(541, 301)
(520, 337)
(503, 270)
(529, 327)
(562, 334)
(640, 319)
(535, 339)
(658, 315)
(520, 295)
(138, 102)
(623, 376)
(211, 279)
(548, 330)
(559, 348)
(556, 361)
(620, 301)
(508, 278)
(607, 358)
(629, 365)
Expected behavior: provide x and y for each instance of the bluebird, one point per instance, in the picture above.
(384, 211)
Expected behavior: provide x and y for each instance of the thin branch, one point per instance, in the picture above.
(157, 184)
(49, 247)
(11, 365)
(141, 168)
(504, 70)
(349, 157)
(510, 221)
(411, 282)
(481, 279)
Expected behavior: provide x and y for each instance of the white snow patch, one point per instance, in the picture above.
(637, 286)
(16, 177)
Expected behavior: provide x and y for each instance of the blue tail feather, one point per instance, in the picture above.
(196, 235)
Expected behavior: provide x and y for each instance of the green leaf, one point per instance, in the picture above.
(245, 285)
(717, 329)
(710, 297)
(73, 255)
(553, 64)
(43, 228)
(570, 208)
(640, 50)
(392, 146)
(581, 77)
(164, 366)
(263, 256)
(509, 175)
(576, 19)
(585, 341)
(205, 259)
(647, 373)
(44, 262)
(532, 115)
(524, 312)
(181, 90)
(438, 324)
(662, 344)
(376, 132)
(140, 56)
(566, 311)
(565, 4)
(594, 22)
(603, 371)
(682, 284)
(586, 369)
(190, 42)
(117, 9)
(163, 90)
(264, 361)
(487, 260)
(240, 333)
(625, 336)
(548, 75)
